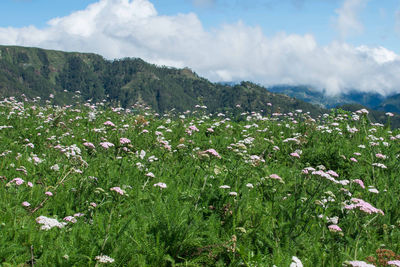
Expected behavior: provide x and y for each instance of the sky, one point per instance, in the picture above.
(332, 45)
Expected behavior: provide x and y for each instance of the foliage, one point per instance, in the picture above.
(134, 188)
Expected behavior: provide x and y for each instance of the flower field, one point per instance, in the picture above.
(91, 185)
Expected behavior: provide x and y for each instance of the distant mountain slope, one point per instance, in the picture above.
(39, 72)
(311, 95)
(391, 104)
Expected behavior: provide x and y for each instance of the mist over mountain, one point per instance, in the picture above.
(312, 95)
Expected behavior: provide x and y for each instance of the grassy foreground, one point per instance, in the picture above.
(92, 186)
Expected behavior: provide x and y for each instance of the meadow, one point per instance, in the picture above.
(91, 185)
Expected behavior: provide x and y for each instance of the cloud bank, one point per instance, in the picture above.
(231, 52)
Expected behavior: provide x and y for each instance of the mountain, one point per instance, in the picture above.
(39, 72)
(317, 97)
(390, 104)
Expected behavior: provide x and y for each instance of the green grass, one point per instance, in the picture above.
(257, 221)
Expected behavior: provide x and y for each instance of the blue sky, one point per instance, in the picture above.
(341, 44)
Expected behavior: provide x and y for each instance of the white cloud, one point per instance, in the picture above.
(123, 28)
(347, 21)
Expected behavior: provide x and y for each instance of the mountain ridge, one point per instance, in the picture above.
(40, 72)
(123, 82)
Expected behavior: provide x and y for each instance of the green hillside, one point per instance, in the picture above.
(38, 72)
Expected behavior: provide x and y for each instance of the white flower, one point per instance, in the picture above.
(104, 259)
(296, 262)
(49, 223)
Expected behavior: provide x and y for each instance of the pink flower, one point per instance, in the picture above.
(117, 189)
(276, 177)
(89, 145)
(30, 184)
(160, 185)
(380, 156)
(193, 128)
(332, 173)
(70, 219)
(17, 181)
(213, 152)
(360, 182)
(354, 159)
(94, 205)
(48, 193)
(359, 264)
(109, 123)
(211, 130)
(106, 145)
(394, 263)
(363, 206)
(295, 155)
(124, 141)
(26, 204)
(150, 174)
(334, 228)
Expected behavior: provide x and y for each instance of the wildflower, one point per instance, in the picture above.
(224, 187)
(296, 262)
(276, 177)
(295, 155)
(26, 204)
(49, 223)
(106, 145)
(70, 219)
(359, 264)
(373, 190)
(334, 228)
(380, 156)
(117, 189)
(89, 145)
(94, 205)
(394, 263)
(249, 185)
(124, 141)
(390, 114)
(233, 194)
(30, 184)
(104, 259)
(109, 123)
(332, 173)
(363, 206)
(360, 182)
(212, 152)
(48, 193)
(17, 181)
(160, 185)
(150, 174)
(380, 165)
(354, 159)
(193, 128)
(55, 167)
(362, 111)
